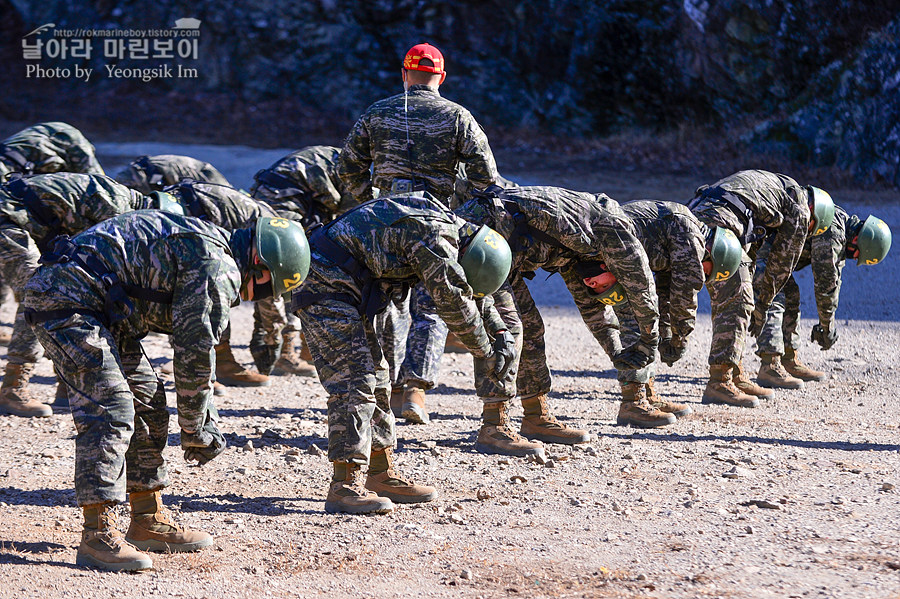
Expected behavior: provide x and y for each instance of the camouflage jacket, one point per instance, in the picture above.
(304, 185)
(584, 228)
(153, 173)
(779, 204)
(675, 242)
(221, 205)
(419, 136)
(463, 188)
(409, 238)
(48, 148)
(190, 259)
(64, 203)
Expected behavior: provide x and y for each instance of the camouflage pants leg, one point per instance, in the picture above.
(489, 390)
(771, 339)
(732, 304)
(269, 321)
(534, 373)
(393, 327)
(425, 343)
(18, 260)
(118, 405)
(791, 293)
(353, 370)
(630, 333)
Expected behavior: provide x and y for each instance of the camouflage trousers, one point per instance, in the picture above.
(354, 372)
(630, 333)
(782, 320)
(18, 260)
(731, 305)
(413, 336)
(270, 321)
(505, 301)
(119, 408)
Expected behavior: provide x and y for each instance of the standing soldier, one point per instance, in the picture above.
(94, 298)
(415, 141)
(34, 210)
(360, 261)
(48, 148)
(868, 241)
(581, 236)
(753, 204)
(155, 173)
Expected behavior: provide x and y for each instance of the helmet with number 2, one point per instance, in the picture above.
(282, 247)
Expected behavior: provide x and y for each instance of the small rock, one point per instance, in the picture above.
(248, 446)
(315, 450)
(517, 480)
(58, 523)
(291, 458)
(482, 494)
(466, 575)
(748, 529)
(293, 451)
(738, 472)
(641, 577)
(528, 510)
(241, 470)
(233, 520)
(887, 486)
(549, 464)
(456, 518)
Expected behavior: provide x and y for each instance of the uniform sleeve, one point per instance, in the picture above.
(827, 258)
(355, 161)
(475, 151)
(599, 318)
(686, 278)
(435, 261)
(200, 311)
(787, 244)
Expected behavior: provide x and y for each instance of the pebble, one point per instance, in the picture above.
(737, 472)
(481, 493)
(315, 450)
(517, 479)
(466, 575)
(248, 446)
(887, 486)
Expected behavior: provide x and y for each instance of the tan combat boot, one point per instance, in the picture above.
(679, 410)
(743, 382)
(539, 424)
(384, 480)
(637, 411)
(14, 396)
(454, 345)
(305, 354)
(397, 400)
(152, 527)
(348, 495)
(230, 372)
(413, 409)
(796, 368)
(290, 362)
(61, 400)
(773, 374)
(219, 389)
(497, 437)
(721, 389)
(104, 547)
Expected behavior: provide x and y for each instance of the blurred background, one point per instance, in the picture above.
(677, 86)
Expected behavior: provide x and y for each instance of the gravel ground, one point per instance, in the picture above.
(795, 499)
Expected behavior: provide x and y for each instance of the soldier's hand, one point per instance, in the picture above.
(206, 443)
(503, 357)
(635, 356)
(825, 337)
(672, 349)
(757, 320)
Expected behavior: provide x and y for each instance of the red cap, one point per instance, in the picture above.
(420, 51)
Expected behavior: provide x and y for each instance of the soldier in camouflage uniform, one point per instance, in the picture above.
(155, 173)
(232, 209)
(415, 141)
(92, 301)
(753, 204)
(867, 241)
(48, 148)
(34, 210)
(303, 186)
(567, 232)
(360, 261)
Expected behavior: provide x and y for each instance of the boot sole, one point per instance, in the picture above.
(337, 508)
(681, 413)
(91, 562)
(279, 371)
(163, 547)
(490, 450)
(778, 385)
(553, 439)
(24, 415)
(406, 498)
(414, 415)
(626, 422)
(722, 402)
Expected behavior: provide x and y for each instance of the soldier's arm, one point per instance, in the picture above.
(475, 151)
(200, 311)
(785, 251)
(354, 163)
(599, 318)
(827, 260)
(686, 280)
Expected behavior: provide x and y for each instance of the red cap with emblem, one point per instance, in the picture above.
(420, 51)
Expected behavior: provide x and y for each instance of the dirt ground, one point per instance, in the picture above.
(797, 498)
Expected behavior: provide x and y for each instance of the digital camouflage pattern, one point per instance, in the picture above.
(48, 148)
(419, 136)
(312, 191)
(779, 204)
(826, 254)
(118, 405)
(413, 337)
(584, 227)
(417, 240)
(68, 203)
(153, 173)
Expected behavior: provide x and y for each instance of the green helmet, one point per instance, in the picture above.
(166, 202)
(725, 252)
(281, 245)
(486, 261)
(873, 241)
(821, 208)
(613, 296)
